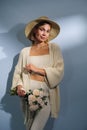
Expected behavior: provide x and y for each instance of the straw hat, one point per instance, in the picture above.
(54, 31)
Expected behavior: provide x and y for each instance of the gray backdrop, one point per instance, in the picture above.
(72, 17)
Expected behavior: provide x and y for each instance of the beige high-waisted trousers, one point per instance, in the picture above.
(41, 118)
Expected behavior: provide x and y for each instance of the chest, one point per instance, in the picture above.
(36, 51)
(40, 60)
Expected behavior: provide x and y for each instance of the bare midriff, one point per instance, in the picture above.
(37, 77)
(37, 52)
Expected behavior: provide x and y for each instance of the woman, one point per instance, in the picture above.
(39, 66)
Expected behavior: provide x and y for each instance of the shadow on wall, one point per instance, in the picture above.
(11, 104)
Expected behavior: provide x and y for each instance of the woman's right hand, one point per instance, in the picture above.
(20, 91)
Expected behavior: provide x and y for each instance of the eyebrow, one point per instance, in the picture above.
(44, 28)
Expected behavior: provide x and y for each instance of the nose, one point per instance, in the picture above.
(44, 33)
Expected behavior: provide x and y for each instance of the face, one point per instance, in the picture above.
(42, 33)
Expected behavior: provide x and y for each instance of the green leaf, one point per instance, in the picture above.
(13, 92)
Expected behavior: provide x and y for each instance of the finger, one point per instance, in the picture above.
(21, 93)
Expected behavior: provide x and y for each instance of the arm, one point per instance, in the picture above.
(33, 69)
(17, 84)
(55, 73)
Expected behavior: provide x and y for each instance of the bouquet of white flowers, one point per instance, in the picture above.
(36, 99)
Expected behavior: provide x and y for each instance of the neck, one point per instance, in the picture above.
(40, 45)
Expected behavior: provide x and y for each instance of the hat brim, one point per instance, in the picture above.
(54, 30)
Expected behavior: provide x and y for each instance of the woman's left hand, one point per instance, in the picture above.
(32, 68)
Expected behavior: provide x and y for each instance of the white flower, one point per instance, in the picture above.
(36, 92)
(30, 102)
(39, 100)
(31, 98)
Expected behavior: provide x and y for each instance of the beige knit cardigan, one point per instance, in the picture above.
(54, 75)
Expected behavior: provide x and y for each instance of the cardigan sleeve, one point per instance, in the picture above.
(17, 76)
(55, 73)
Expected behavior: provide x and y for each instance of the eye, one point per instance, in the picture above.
(48, 31)
(41, 29)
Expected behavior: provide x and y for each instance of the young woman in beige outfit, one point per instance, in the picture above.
(39, 66)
